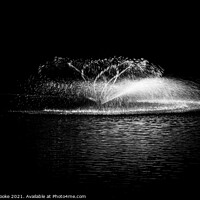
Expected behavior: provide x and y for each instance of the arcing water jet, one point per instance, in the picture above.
(114, 84)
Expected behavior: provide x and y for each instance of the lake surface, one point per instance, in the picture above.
(101, 156)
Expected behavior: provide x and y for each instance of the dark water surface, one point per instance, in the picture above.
(101, 156)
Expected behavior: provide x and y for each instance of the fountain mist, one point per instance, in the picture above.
(117, 84)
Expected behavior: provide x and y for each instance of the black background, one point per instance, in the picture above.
(165, 34)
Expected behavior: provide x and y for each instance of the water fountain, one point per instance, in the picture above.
(114, 85)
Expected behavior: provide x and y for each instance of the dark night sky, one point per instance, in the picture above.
(165, 37)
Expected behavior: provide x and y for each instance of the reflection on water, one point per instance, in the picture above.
(120, 153)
